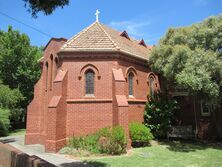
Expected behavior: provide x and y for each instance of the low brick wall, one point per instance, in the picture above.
(11, 157)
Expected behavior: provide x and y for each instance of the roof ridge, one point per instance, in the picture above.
(113, 42)
(77, 35)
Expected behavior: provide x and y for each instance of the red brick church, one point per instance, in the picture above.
(98, 78)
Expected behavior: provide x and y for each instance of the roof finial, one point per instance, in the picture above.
(97, 15)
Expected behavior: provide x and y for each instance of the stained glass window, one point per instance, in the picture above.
(152, 85)
(130, 79)
(89, 77)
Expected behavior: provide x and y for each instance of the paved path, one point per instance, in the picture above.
(38, 150)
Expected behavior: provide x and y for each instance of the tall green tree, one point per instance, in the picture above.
(45, 6)
(19, 64)
(191, 57)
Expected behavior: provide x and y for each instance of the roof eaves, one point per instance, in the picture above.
(71, 50)
(133, 55)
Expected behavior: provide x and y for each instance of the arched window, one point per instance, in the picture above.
(130, 80)
(55, 67)
(46, 75)
(152, 85)
(51, 72)
(89, 79)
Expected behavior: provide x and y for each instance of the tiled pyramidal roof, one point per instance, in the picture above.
(99, 37)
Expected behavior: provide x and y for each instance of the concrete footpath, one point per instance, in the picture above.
(38, 150)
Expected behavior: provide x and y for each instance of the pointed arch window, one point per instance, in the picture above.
(130, 80)
(51, 72)
(89, 79)
(151, 85)
(46, 76)
(55, 67)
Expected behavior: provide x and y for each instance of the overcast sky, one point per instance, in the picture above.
(140, 18)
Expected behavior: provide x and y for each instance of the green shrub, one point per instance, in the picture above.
(159, 114)
(4, 121)
(114, 142)
(10, 100)
(107, 140)
(85, 143)
(139, 133)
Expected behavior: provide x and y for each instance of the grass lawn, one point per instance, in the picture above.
(172, 154)
(17, 132)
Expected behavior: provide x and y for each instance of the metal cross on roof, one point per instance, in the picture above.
(97, 15)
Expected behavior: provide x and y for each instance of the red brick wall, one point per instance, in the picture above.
(76, 86)
(37, 110)
(136, 111)
(77, 114)
(141, 89)
(84, 118)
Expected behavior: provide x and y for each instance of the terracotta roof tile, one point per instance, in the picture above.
(101, 37)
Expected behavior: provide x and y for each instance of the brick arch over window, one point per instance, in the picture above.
(153, 82)
(87, 67)
(129, 70)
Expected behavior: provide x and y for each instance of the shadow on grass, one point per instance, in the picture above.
(84, 164)
(189, 146)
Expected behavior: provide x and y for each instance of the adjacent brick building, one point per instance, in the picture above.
(98, 78)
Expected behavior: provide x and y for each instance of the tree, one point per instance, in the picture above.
(191, 57)
(46, 6)
(19, 66)
(4, 121)
(10, 112)
(159, 114)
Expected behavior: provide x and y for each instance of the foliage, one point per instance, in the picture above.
(139, 132)
(107, 140)
(114, 142)
(4, 121)
(89, 143)
(47, 7)
(191, 57)
(19, 68)
(159, 114)
(10, 99)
